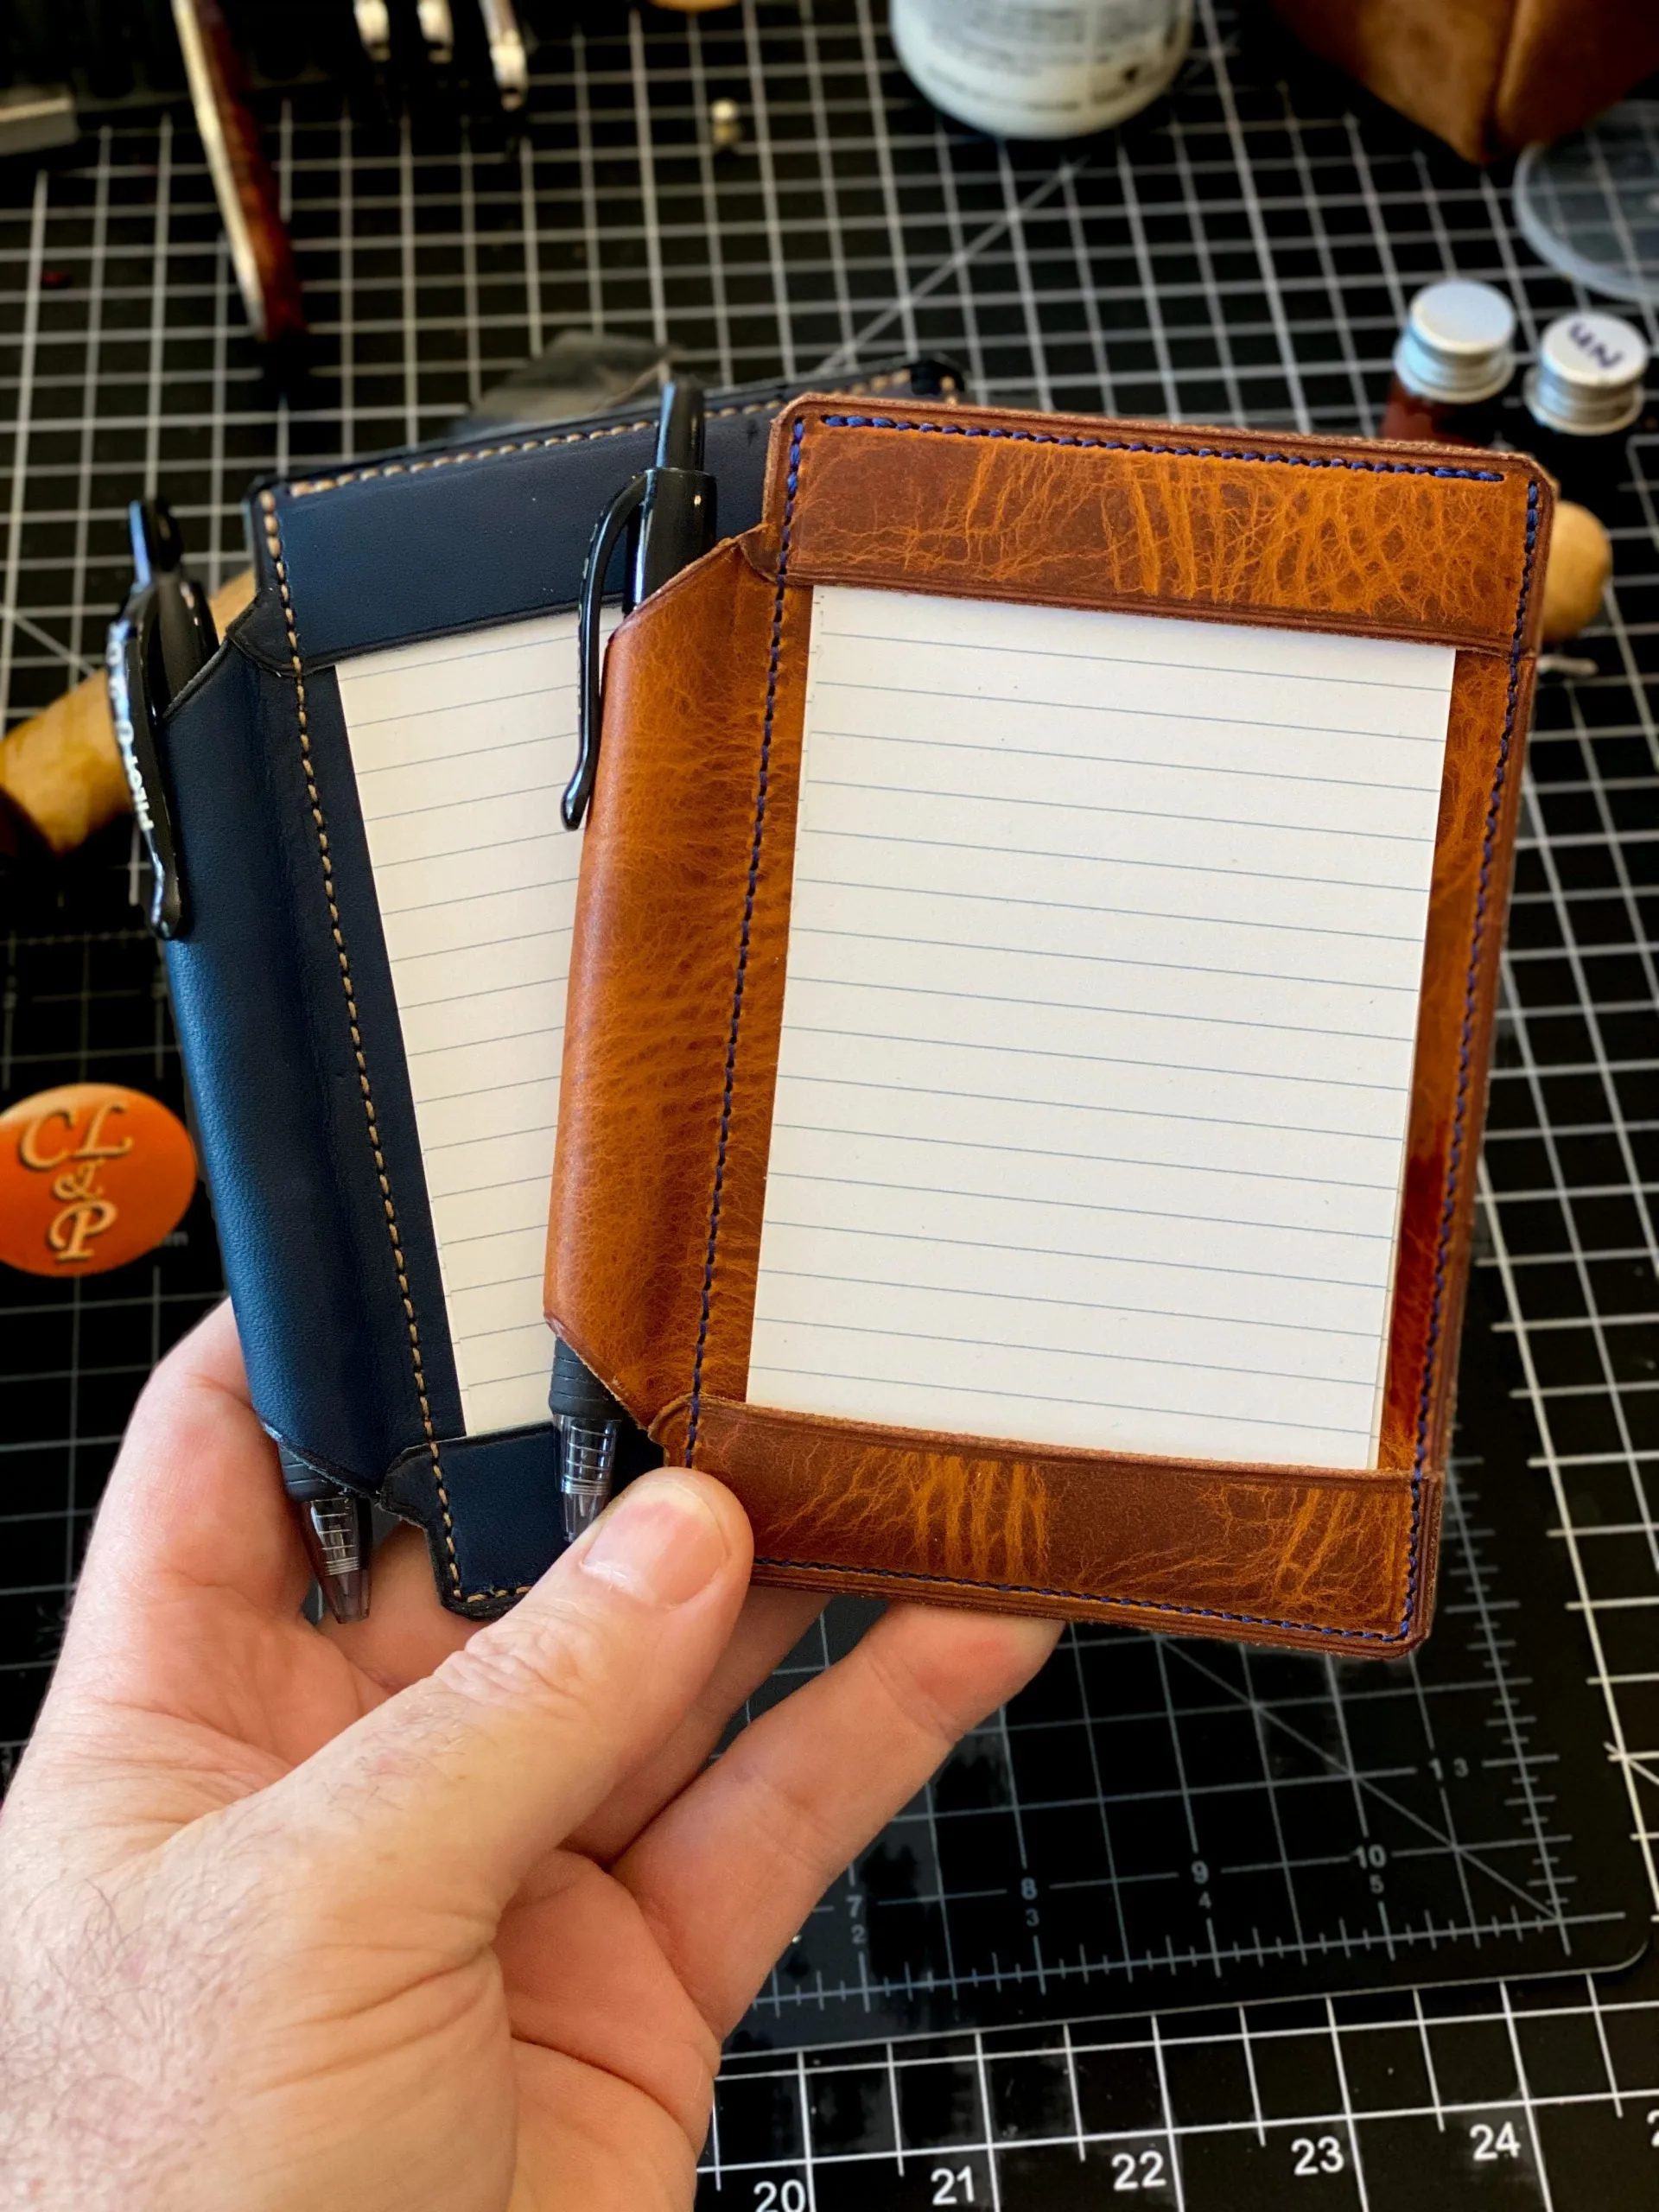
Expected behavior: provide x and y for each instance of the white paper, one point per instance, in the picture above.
(462, 748)
(1104, 960)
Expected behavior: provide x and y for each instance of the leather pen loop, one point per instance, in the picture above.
(607, 532)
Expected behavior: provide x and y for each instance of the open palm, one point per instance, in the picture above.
(409, 1914)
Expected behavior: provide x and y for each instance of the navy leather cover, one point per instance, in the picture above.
(406, 548)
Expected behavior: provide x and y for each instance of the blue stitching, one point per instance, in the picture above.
(1465, 1048)
(1177, 453)
(743, 944)
(1454, 1158)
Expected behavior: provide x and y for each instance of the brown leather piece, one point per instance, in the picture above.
(1468, 898)
(677, 994)
(1267, 1555)
(1393, 541)
(1486, 76)
(663, 920)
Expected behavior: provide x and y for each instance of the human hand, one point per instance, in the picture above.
(410, 1914)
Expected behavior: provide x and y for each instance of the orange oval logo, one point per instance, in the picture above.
(91, 1175)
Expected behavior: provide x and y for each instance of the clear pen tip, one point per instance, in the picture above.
(339, 1534)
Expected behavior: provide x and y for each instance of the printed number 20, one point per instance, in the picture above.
(780, 2196)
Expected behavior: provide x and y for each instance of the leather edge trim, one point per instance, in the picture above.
(272, 532)
(308, 487)
(1082, 1604)
(1423, 1492)
(1177, 442)
(734, 1033)
(1435, 1401)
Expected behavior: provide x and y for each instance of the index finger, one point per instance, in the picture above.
(195, 1504)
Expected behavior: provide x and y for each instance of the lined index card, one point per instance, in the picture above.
(1104, 959)
(462, 747)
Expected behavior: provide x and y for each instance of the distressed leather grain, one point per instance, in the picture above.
(677, 971)
(1395, 541)
(1287, 1555)
(665, 911)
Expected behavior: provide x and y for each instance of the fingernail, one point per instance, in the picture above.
(660, 1540)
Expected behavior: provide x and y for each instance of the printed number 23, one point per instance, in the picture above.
(1320, 2156)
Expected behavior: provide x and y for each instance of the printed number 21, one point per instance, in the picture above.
(948, 2180)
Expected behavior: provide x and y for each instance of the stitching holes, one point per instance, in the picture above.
(1147, 445)
(310, 486)
(273, 547)
(1465, 1053)
(760, 790)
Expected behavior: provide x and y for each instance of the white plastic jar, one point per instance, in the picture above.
(1041, 68)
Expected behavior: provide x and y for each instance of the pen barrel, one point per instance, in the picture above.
(676, 525)
(575, 1392)
(337, 1529)
(588, 1419)
(586, 1472)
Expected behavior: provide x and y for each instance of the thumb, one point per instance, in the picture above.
(459, 1785)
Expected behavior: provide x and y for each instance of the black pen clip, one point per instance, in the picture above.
(621, 514)
(669, 513)
(161, 637)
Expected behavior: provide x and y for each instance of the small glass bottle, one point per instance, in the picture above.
(1453, 362)
(1581, 398)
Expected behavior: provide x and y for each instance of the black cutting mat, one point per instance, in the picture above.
(1176, 1822)
(1245, 252)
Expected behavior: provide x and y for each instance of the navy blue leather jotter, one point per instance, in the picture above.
(369, 988)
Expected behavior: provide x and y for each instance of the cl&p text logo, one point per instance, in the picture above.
(91, 1175)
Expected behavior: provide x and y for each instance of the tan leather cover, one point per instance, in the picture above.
(676, 985)
(1486, 76)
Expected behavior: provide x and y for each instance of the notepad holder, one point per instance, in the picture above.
(683, 951)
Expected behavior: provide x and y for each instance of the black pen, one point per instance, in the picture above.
(668, 516)
(160, 639)
(163, 637)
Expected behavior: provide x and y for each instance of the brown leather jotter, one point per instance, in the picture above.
(1030, 1004)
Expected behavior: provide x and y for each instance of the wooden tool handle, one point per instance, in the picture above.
(61, 769)
(250, 204)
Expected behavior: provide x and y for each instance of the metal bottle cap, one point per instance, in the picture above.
(1588, 380)
(1458, 343)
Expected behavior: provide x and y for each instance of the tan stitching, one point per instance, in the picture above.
(314, 484)
(273, 547)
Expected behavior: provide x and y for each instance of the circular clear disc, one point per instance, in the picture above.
(1589, 205)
